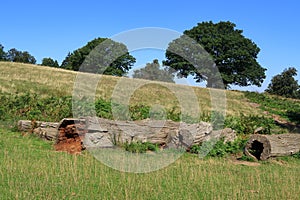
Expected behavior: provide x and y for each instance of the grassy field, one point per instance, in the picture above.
(31, 169)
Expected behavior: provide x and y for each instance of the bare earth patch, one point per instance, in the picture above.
(254, 105)
(69, 140)
(246, 163)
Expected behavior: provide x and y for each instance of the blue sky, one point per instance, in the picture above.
(54, 28)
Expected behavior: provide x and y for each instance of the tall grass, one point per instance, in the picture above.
(30, 169)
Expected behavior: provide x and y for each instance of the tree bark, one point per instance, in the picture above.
(46, 130)
(94, 132)
(262, 147)
(107, 133)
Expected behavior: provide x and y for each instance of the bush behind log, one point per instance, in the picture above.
(220, 148)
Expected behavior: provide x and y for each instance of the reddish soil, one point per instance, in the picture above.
(69, 139)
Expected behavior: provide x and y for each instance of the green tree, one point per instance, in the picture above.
(284, 84)
(49, 62)
(152, 71)
(14, 55)
(233, 54)
(2, 53)
(110, 58)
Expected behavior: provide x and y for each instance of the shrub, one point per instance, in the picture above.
(34, 107)
(246, 158)
(138, 112)
(139, 147)
(103, 109)
(297, 155)
(247, 124)
(288, 109)
(218, 148)
(174, 114)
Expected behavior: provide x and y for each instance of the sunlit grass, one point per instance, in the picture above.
(47, 81)
(31, 169)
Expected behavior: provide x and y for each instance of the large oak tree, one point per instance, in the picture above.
(227, 51)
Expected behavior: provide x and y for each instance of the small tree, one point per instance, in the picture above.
(284, 84)
(2, 53)
(49, 62)
(152, 71)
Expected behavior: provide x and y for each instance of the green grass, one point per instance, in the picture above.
(286, 108)
(31, 169)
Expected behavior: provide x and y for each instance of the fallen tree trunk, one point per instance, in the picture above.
(74, 135)
(262, 147)
(107, 133)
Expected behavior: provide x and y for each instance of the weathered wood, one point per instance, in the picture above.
(262, 147)
(46, 130)
(107, 133)
(46, 133)
(93, 132)
(25, 125)
(28, 125)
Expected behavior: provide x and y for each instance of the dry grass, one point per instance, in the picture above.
(20, 78)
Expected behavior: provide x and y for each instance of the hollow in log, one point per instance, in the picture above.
(262, 147)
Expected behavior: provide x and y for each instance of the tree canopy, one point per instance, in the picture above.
(15, 55)
(2, 53)
(49, 62)
(233, 54)
(284, 84)
(110, 58)
(153, 71)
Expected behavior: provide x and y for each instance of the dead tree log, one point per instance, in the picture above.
(262, 147)
(46, 130)
(74, 135)
(25, 125)
(107, 133)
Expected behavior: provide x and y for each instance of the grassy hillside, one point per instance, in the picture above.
(45, 93)
(46, 81)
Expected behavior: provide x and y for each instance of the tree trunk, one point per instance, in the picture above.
(74, 135)
(107, 133)
(262, 147)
